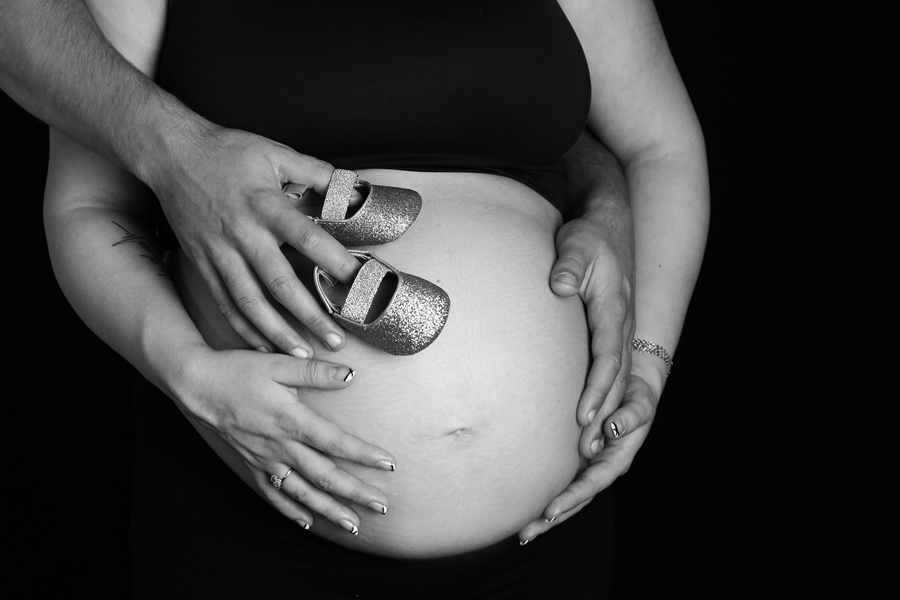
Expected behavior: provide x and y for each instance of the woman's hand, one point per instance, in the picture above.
(222, 194)
(248, 407)
(596, 262)
(632, 422)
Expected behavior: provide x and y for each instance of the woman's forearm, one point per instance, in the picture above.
(669, 193)
(106, 263)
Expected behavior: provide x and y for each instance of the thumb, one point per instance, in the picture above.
(567, 275)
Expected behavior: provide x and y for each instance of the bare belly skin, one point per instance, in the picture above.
(482, 422)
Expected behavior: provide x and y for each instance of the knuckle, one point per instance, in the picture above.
(249, 304)
(620, 386)
(313, 321)
(334, 447)
(226, 309)
(283, 287)
(613, 359)
(324, 481)
(311, 371)
(322, 170)
(301, 495)
(309, 239)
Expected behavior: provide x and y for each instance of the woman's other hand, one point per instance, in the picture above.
(248, 407)
(632, 422)
(221, 191)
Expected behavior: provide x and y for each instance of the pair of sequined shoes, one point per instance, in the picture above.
(399, 313)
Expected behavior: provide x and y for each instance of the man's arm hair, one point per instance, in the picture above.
(57, 64)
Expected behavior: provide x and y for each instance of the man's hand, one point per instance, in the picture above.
(224, 200)
(595, 250)
(596, 263)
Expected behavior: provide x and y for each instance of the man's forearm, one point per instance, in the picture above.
(598, 191)
(57, 64)
(597, 185)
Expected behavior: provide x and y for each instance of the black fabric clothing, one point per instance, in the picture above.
(199, 532)
(490, 86)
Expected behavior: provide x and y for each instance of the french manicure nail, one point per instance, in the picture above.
(614, 429)
(378, 507)
(333, 340)
(595, 446)
(303, 524)
(386, 465)
(346, 524)
(350, 375)
(550, 520)
(523, 542)
(299, 353)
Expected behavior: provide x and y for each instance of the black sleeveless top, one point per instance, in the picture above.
(486, 86)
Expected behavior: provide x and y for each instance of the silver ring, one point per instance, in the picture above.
(277, 481)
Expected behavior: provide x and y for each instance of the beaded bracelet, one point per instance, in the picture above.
(655, 350)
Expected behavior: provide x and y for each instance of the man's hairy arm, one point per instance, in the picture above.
(62, 60)
(57, 64)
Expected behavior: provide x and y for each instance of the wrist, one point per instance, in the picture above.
(170, 349)
(165, 138)
(651, 369)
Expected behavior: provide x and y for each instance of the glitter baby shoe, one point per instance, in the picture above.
(386, 308)
(385, 214)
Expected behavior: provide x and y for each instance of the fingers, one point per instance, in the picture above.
(245, 299)
(306, 427)
(239, 324)
(326, 481)
(543, 525)
(275, 271)
(317, 374)
(293, 167)
(607, 380)
(568, 274)
(316, 482)
(282, 502)
(636, 411)
(291, 226)
(610, 323)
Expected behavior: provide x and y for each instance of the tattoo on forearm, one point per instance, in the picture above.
(141, 241)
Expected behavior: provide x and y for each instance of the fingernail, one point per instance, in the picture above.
(262, 349)
(300, 353)
(378, 507)
(333, 340)
(386, 465)
(554, 518)
(591, 416)
(346, 524)
(614, 429)
(303, 524)
(344, 374)
(523, 542)
(595, 447)
(566, 278)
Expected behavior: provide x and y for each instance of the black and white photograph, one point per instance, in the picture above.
(497, 299)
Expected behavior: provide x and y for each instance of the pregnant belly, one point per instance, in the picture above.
(482, 422)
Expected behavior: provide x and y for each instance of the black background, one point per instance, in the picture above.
(768, 471)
